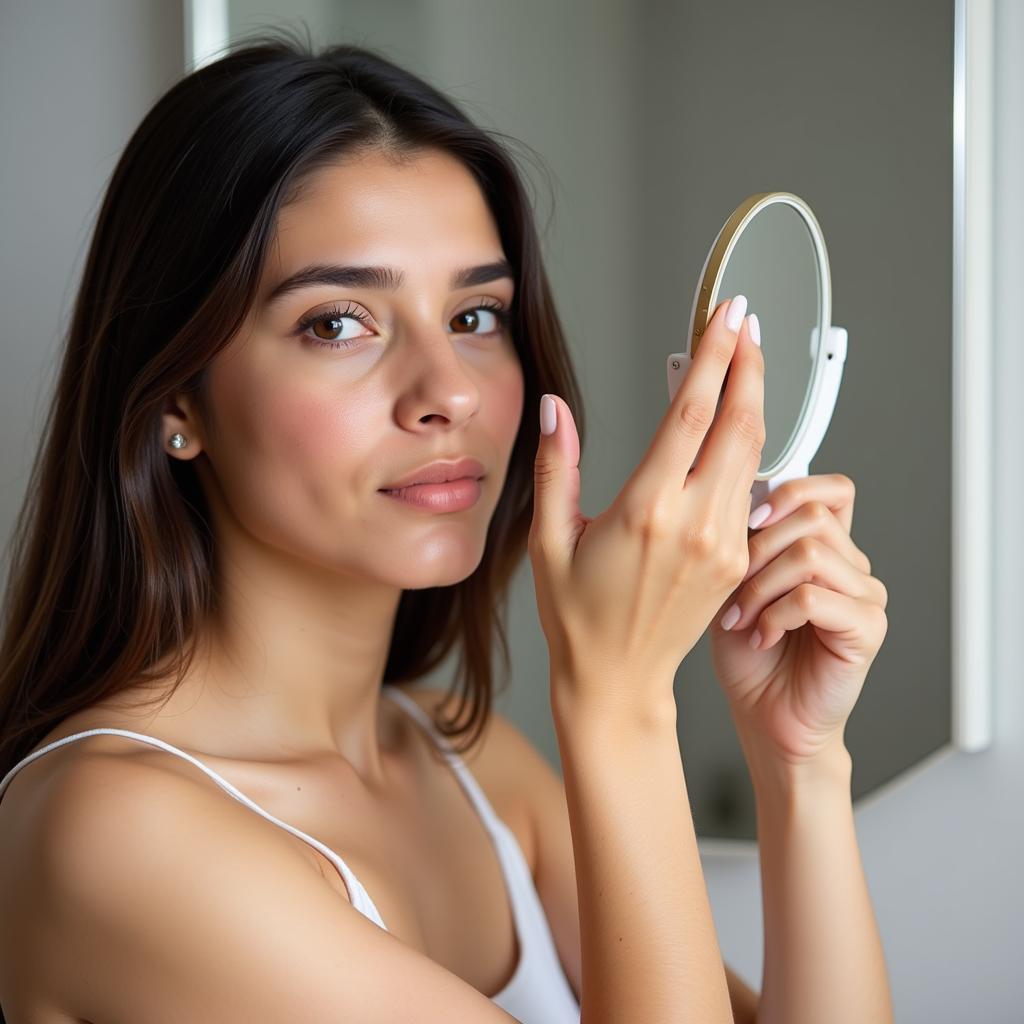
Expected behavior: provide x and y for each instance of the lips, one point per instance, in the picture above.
(440, 472)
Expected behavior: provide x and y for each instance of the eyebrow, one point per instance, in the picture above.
(388, 278)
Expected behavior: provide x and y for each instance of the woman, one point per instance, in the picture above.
(312, 277)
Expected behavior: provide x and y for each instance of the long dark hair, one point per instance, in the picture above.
(112, 554)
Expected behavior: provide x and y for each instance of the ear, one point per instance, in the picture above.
(181, 417)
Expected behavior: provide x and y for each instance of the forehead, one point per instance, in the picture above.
(370, 208)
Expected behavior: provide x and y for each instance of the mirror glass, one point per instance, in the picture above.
(773, 264)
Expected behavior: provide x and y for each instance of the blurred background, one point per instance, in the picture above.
(648, 123)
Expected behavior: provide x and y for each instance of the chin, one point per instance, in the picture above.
(444, 570)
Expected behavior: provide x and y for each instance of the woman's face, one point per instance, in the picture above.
(312, 421)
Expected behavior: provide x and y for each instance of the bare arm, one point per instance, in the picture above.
(648, 942)
(541, 793)
(823, 955)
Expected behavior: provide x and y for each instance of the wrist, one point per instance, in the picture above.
(830, 770)
(585, 701)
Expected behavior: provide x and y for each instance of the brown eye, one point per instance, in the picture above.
(324, 327)
(330, 324)
(470, 318)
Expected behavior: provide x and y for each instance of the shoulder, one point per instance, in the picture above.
(94, 841)
(81, 820)
(83, 797)
(150, 878)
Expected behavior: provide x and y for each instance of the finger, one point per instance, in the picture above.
(731, 453)
(834, 489)
(806, 561)
(851, 625)
(685, 425)
(814, 519)
(556, 487)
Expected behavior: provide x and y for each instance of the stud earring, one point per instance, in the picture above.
(178, 440)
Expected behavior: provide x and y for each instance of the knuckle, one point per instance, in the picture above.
(659, 520)
(754, 546)
(809, 549)
(755, 586)
(732, 566)
(746, 425)
(695, 416)
(650, 519)
(817, 511)
(805, 597)
(703, 540)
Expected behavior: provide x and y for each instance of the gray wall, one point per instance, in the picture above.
(75, 80)
(942, 847)
(813, 97)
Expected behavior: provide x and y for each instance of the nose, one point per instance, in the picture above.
(437, 383)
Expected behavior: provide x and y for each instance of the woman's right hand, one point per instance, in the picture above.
(624, 596)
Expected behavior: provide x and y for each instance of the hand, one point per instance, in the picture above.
(809, 595)
(624, 596)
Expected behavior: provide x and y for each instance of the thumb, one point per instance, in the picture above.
(557, 522)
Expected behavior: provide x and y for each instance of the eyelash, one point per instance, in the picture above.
(503, 316)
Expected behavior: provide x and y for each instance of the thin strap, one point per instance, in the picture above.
(532, 930)
(359, 896)
(465, 776)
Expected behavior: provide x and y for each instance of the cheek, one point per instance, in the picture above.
(504, 403)
(294, 445)
(304, 426)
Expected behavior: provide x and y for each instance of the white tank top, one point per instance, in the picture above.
(538, 991)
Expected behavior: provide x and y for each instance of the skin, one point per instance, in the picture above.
(314, 559)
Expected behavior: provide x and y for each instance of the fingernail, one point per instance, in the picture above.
(548, 414)
(755, 639)
(759, 515)
(755, 328)
(731, 617)
(734, 314)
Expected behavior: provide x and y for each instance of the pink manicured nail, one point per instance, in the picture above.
(755, 639)
(731, 617)
(759, 515)
(548, 414)
(755, 328)
(734, 313)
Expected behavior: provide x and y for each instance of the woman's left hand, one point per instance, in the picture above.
(810, 597)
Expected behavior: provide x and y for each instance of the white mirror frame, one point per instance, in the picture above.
(827, 360)
(207, 36)
(973, 361)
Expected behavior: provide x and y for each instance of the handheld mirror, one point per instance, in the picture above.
(771, 249)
